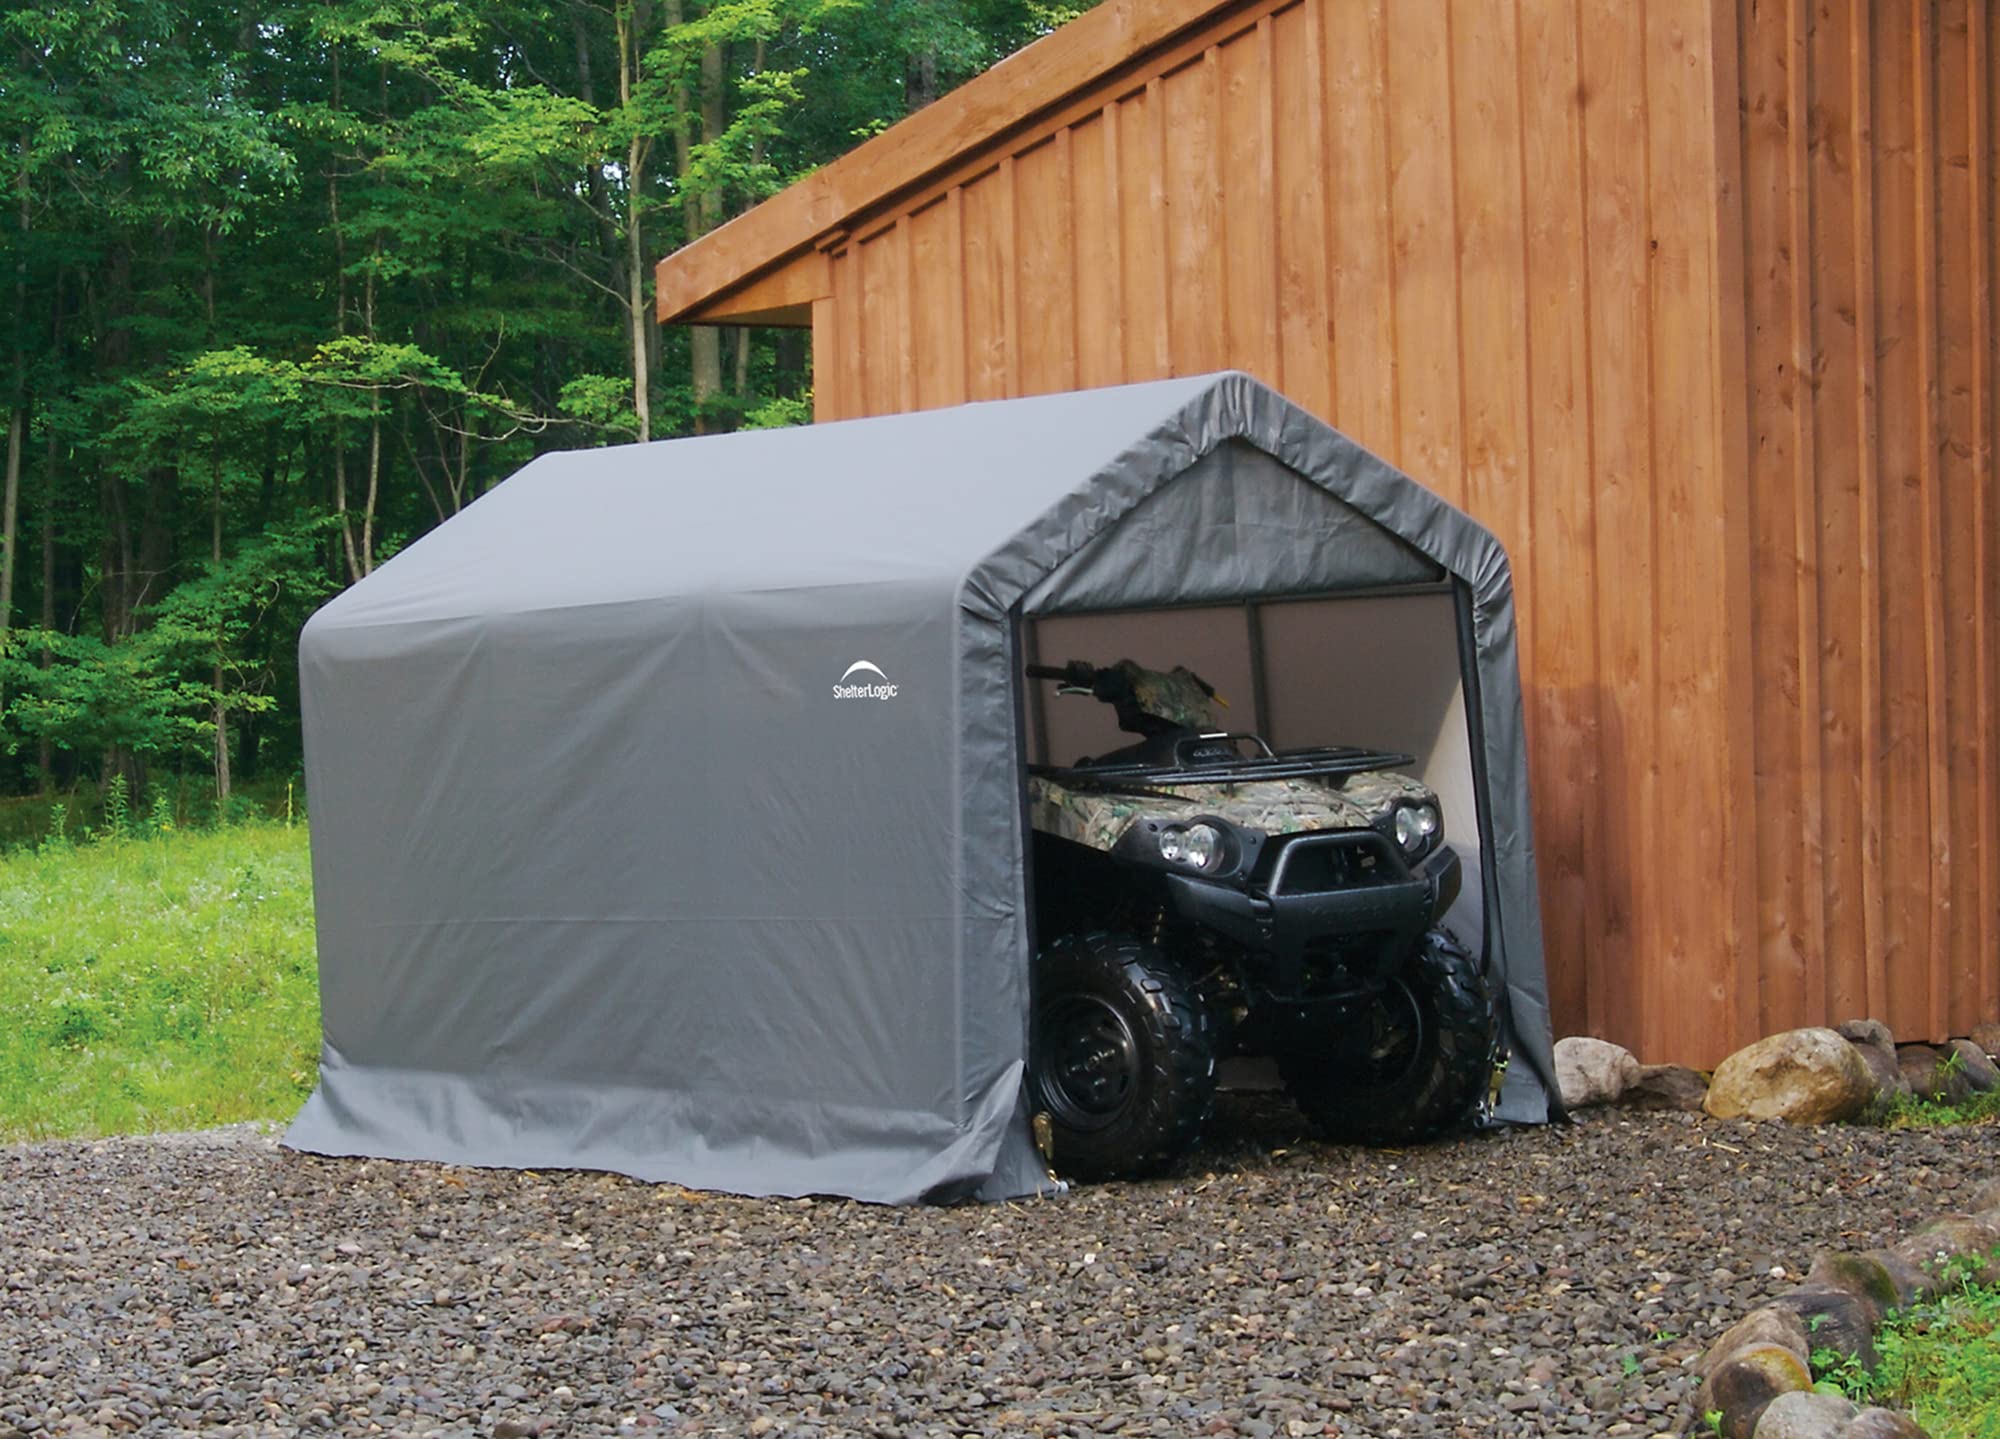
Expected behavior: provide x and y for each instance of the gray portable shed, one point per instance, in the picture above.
(623, 860)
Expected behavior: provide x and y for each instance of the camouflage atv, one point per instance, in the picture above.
(1198, 894)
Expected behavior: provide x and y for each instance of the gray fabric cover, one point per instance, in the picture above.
(608, 877)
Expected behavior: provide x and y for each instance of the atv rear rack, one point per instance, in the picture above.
(1326, 762)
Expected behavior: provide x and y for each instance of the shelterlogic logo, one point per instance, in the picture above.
(849, 688)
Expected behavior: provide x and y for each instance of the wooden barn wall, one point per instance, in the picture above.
(1868, 138)
(1518, 249)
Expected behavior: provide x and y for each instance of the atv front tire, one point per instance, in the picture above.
(1122, 1056)
(1415, 1062)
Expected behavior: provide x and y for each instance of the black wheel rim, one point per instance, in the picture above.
(1384, 1046)
(1090, 1061)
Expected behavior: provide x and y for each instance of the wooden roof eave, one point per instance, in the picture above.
(762, 267)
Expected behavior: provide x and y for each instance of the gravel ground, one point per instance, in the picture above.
(1525, 1282)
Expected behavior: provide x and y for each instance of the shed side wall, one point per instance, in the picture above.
(1476, 238)
(1868, 135)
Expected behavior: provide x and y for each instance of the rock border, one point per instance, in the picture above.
(1855, 1071)
(1757, 1378)
(1758, 1374)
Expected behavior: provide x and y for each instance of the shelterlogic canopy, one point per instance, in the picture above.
(668, 807)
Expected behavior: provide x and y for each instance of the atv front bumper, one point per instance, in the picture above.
(1367, 929)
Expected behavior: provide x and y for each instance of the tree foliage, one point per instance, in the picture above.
(284, 287)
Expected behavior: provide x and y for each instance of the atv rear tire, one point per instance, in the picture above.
(1415, 1063)
(1122, 1058)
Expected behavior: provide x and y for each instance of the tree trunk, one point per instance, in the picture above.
(593, 172)
(374, 426)
(635, 299)
(706, 340)
(632, 26)
(220, 712)
(374, 487)
(920, 80)
(45, 751)
(340, 505)
(221, 703)
(17, 420)
(116, 567)
(10, 511)
(697, 214)
(339, 328)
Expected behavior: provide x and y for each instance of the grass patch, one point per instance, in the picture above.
(1940, 1360)
(1912, 1112)
(156, 980)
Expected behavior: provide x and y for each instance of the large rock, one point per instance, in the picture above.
(1805, 1416)
(1666, 1086)
(1866, 1031)
(1741, 1388)
(1884, 1073)
(1987, 1037)
(1912, 1283)
(1760, 1327)
(1980, 1071)
(1953, 1245)
(1593, 1071)
(1883, 1424)
(1931, 1077)
(1864, 1276)
(1807, 1076)
(1837, 1320)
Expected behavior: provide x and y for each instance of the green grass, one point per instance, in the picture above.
(155, 981)
(1911, 1112)
(1940, 1360)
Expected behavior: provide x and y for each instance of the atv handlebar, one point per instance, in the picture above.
(1078, 672)
(1105, 682)
(1113, 685)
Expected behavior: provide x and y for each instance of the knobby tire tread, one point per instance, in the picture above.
(1451, 1078)
(1176, 1094)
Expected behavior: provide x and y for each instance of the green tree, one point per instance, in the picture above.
(285, 287)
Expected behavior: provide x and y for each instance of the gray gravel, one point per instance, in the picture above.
(1527, 1282)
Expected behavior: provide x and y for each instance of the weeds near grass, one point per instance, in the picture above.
(58, 834)
(117, 806)
(167, 802)
(1940, 1360)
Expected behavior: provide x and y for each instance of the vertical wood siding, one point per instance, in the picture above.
(1726, 390)
(1867, 149)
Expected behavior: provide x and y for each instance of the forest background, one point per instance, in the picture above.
(284, 287)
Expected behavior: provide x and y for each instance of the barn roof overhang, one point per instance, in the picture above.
(768, 265)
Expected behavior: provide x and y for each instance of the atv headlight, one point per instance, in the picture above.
(1201, 846)
(1197, 846)
(1416, 824)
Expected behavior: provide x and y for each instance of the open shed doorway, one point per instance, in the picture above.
(1384, 669)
